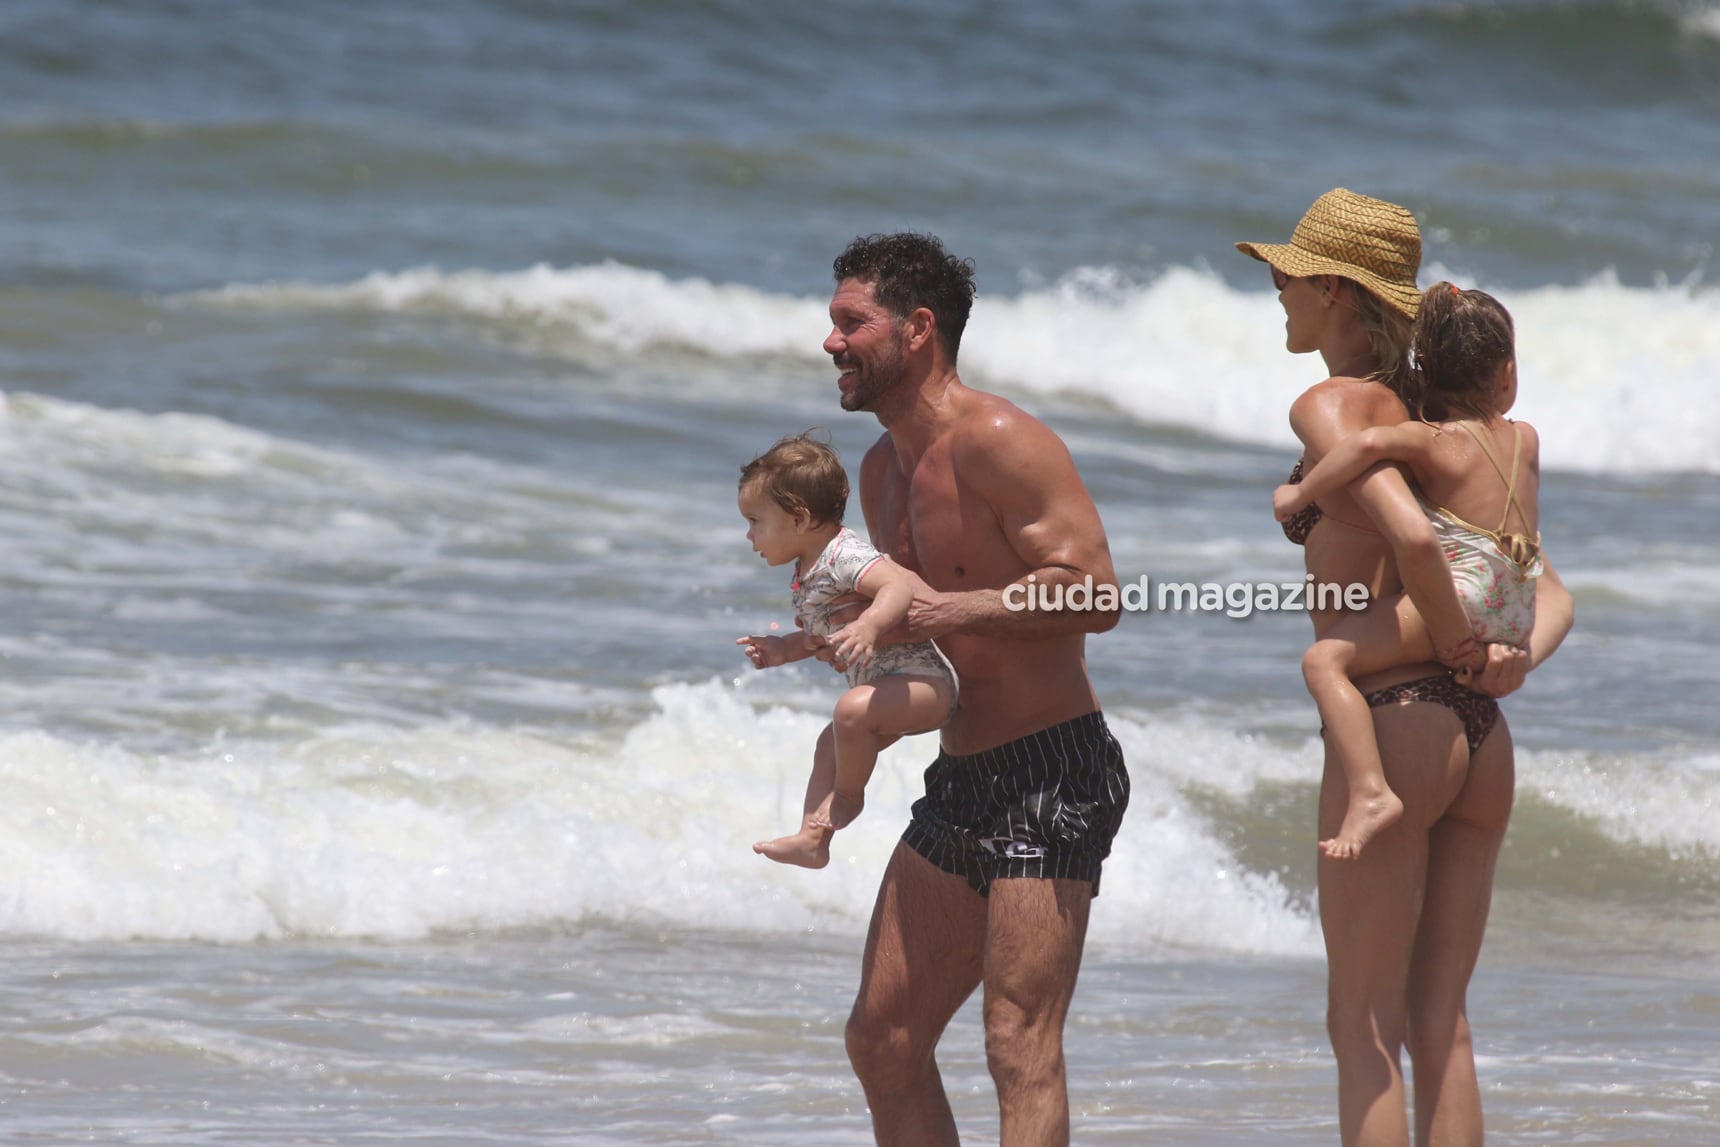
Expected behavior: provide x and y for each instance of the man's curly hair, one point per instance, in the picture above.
(909, 271)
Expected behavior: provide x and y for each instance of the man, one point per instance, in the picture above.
(992, 880)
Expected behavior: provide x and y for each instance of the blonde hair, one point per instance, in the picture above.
(1391, 334)
(801, 474)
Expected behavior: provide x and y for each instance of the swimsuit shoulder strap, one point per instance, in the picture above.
(1510, 479)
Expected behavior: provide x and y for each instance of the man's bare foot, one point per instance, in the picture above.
(804, 848)
(1364, 818)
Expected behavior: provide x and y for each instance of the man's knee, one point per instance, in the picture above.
(881, 1051)
(1020, 1049)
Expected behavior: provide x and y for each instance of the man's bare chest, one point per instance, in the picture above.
(947, 534)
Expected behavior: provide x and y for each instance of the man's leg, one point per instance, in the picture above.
(1036, 930)
(924, 955)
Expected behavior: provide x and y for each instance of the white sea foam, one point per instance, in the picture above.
(624, 307)
(1665, 803)
(371, 831)
(1701, 20)
(1617, 378)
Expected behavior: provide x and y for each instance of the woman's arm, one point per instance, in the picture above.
(1555, 613)
(1507, 665)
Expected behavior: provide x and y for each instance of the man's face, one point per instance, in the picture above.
(865, 342)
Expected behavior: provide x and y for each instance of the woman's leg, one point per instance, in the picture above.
(1463, 849)
(1370, 908)
(1391, 633)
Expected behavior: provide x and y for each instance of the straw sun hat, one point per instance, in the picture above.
(1369, 240)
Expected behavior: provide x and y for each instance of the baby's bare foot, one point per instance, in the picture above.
(805, 849)
(843, 809)
(1362, 821)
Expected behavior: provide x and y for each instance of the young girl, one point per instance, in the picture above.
(1465, 353)
(793, 497)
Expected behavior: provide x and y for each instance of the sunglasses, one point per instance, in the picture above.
(1279, 279)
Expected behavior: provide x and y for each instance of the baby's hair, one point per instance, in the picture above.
(1461, 340)
(801, 473)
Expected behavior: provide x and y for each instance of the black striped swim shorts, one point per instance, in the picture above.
(1044, 807)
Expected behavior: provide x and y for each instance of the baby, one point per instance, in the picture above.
(793, 497)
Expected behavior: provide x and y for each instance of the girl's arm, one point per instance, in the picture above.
(1352, 457)
(1334, 411)
(1421, 563)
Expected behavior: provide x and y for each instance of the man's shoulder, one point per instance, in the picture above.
(990, 424)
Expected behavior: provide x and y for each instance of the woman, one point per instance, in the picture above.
(1403, 921)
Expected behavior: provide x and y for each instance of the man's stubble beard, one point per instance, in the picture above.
(875, 382)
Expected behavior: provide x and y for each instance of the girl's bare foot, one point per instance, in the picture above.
(808, 848)
(1365, 817)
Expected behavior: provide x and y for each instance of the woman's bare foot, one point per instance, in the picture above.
(1365, 817)
(808, 848)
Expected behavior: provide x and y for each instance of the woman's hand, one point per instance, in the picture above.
(1465, 657)
(1503, 672)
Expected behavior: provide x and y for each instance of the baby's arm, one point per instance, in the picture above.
(766, 651)
(1352, 457)
(891, 589)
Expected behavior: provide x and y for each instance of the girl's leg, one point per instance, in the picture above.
(810, 847)
(1389, 634)
(869, 719)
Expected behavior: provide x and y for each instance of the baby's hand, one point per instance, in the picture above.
(1287, 502)
(763, 650)
(855, 643)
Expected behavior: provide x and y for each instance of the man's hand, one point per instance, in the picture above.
(1503, 673)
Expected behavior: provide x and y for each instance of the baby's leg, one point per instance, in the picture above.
(810, 847)
(1389, 634)
(869, 719)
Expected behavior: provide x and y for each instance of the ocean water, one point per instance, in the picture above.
(380, 766)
